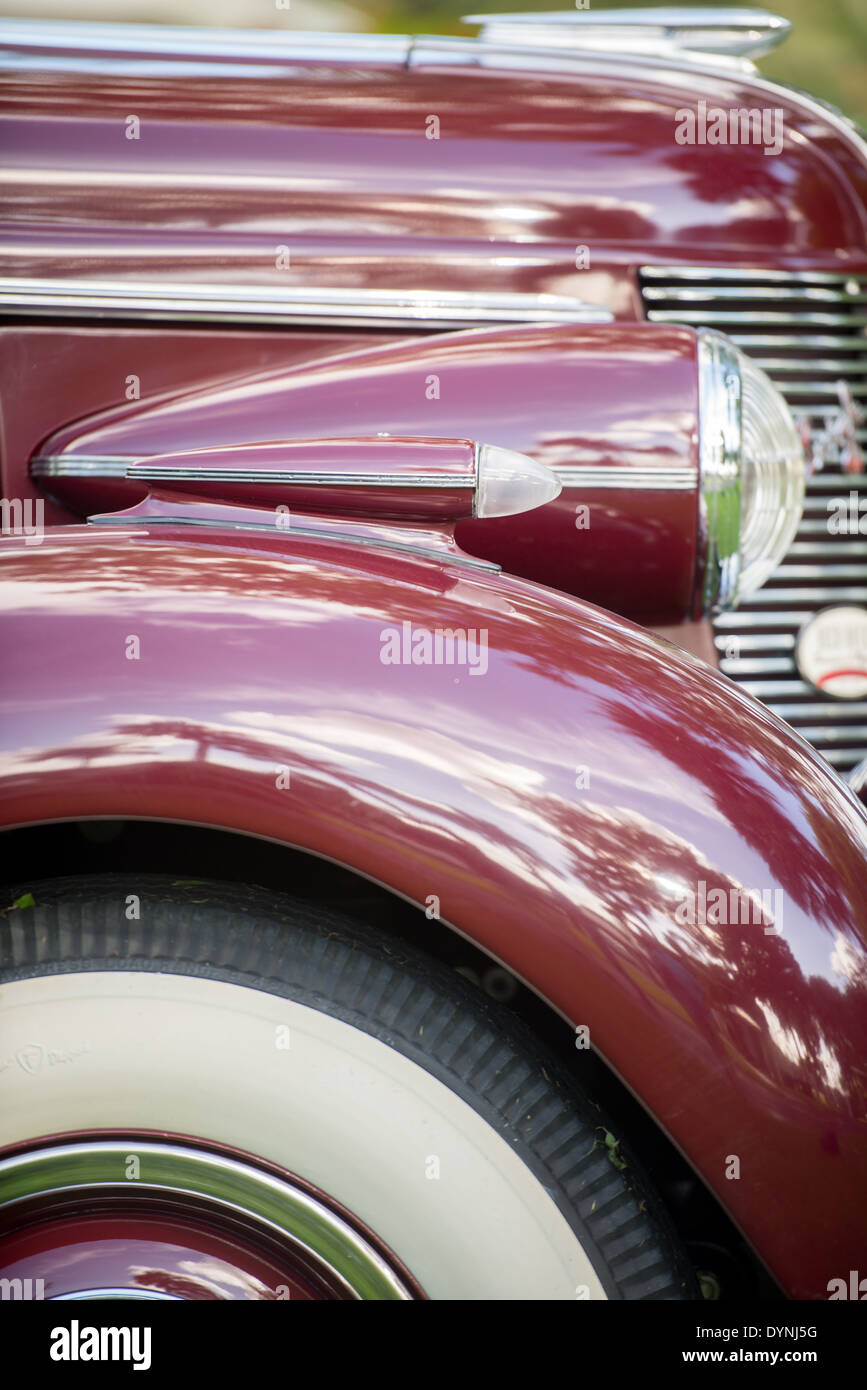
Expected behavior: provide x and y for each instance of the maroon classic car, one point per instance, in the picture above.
(434, 697)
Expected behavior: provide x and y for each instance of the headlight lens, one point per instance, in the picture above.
(752, 473)
(773, 478)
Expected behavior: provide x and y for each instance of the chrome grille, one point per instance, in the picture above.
(809, 332)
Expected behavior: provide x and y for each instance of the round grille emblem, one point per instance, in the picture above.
(831, 652)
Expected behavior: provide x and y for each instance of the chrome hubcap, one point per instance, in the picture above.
(205, 1191)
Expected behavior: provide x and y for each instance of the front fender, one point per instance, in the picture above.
(564, 806)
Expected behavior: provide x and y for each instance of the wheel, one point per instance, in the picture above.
(214, 1092)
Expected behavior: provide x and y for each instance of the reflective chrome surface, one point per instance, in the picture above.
(301, 530)
(156, 472)
(808, 331)
(225, 1184)
(163, 40)
(591, 478)
(358, 308)
(614, 477)
(719, 382)
(386, 477)
(89, 1294)
(672, 29)
(94, 466)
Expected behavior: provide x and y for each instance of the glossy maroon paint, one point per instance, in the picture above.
(330, 156)
(172, 1255)
(51, 376)
(559, 805)
(623, 397)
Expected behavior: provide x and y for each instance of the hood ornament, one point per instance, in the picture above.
(729, 33)
(836, 443)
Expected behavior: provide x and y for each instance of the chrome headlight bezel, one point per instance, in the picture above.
(719, 435)
(752, 473)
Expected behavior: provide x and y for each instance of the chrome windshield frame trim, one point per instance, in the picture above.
(371, 308)
(440, 557)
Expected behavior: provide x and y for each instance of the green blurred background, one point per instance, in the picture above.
(825, 55)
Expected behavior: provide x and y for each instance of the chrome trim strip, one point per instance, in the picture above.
(762, 666)
(363, 308)
(765, 690)
(839, 341)
(834, 549)
(727, 316)
(168, 40)
(764, 641)
(826, 733)
(741, 274)
(638, 478)
(440, 557)
(831, 597)
(817, 388)
(673, 479)
(692, 295)
(833, 481)
(787, 571)
(821, 709)
(795, 617)
(147, 472)
(837, 757)
(836, 366)
(81, 466)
